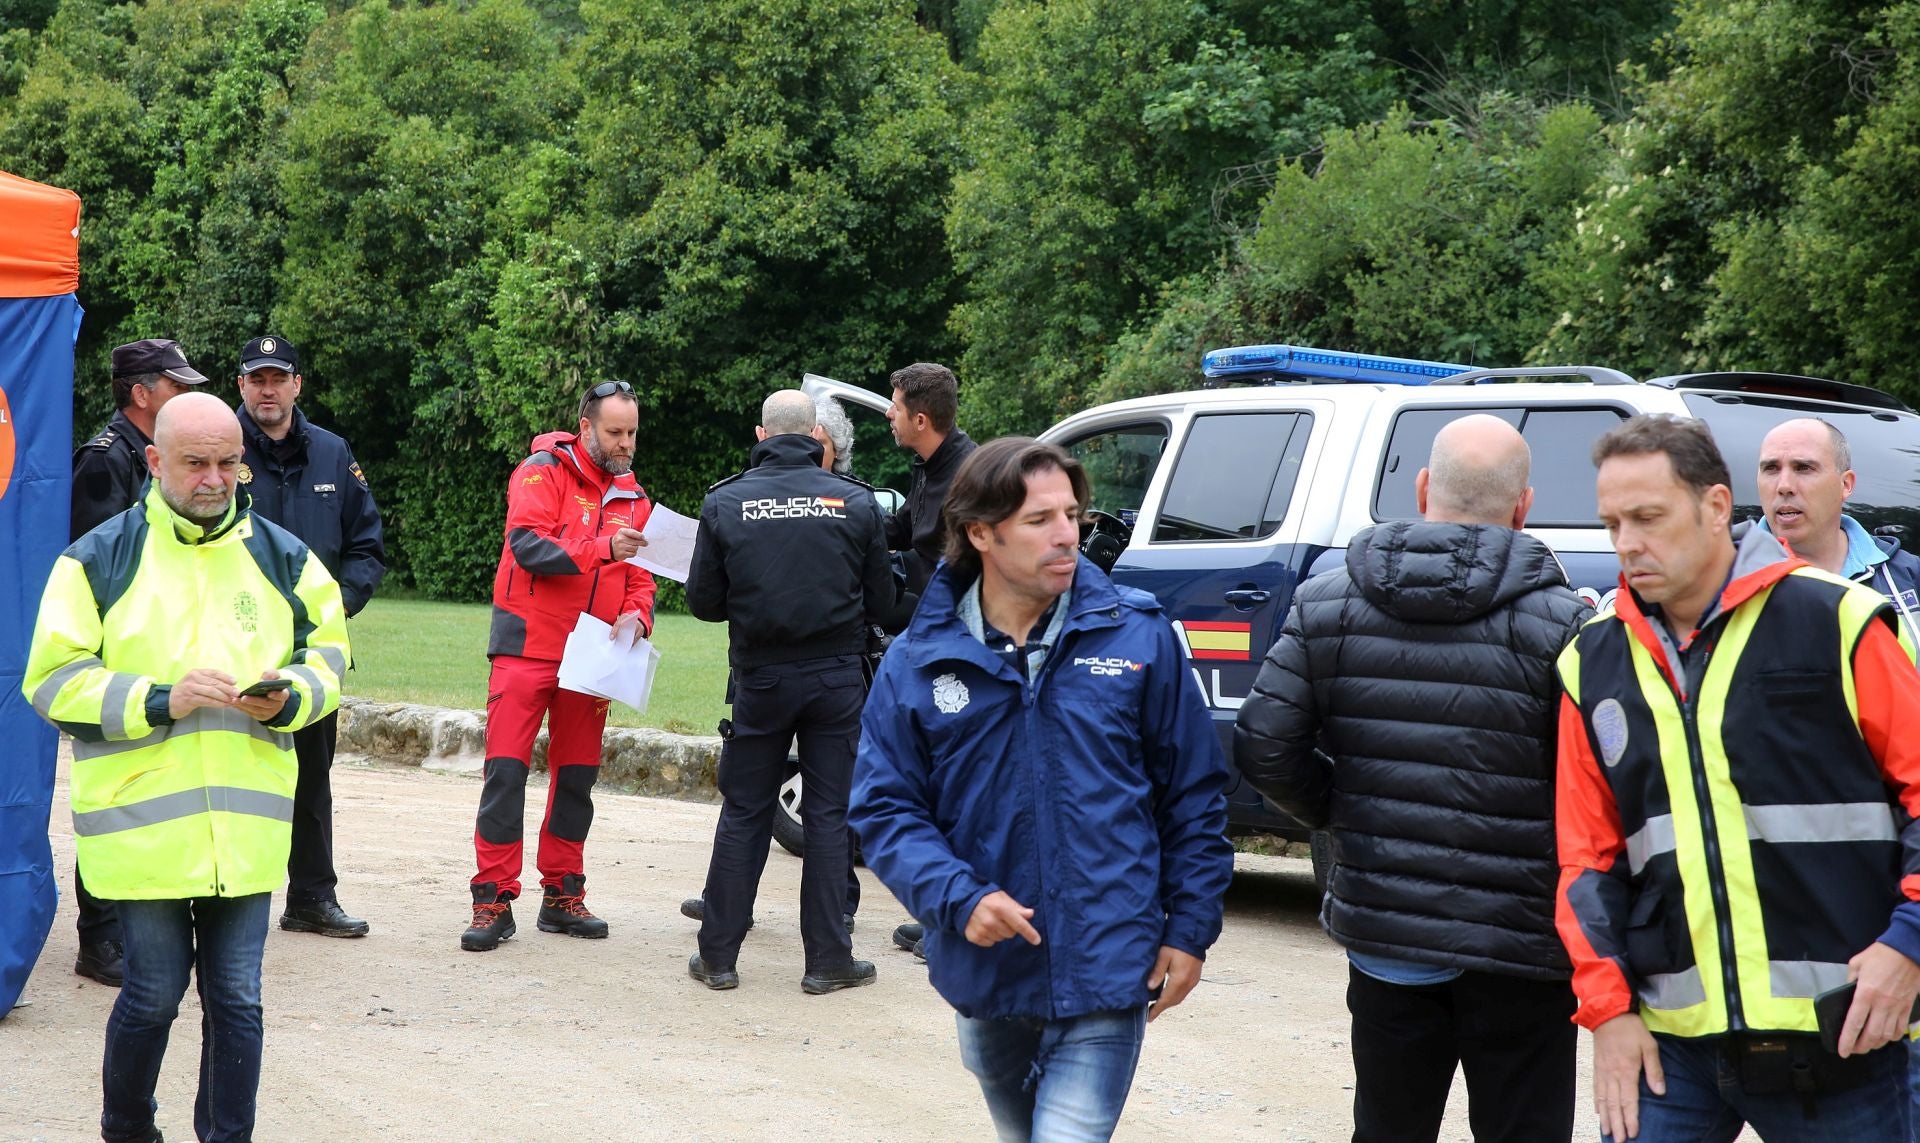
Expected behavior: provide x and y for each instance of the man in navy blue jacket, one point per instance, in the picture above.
(1039, 783)
(305, 479)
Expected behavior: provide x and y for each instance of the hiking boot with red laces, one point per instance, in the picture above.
(564, 910)
(492, 919)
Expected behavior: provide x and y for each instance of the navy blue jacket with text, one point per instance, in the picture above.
(1096, 797)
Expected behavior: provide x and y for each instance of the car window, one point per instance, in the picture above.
(1120, 464)
(1559, 437)
(1234, 476)
(1561, 441)
(1885, 447)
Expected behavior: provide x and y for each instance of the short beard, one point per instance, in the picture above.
(183, 509)
(610, 466)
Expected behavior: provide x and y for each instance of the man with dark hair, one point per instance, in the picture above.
(790, 557)
(108, 473)
(1737, 820)
(1039, 782)
(574, 514)
(305, 479)
(1441, 812)
(926, 399)
(925, 402)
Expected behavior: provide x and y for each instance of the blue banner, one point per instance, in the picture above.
(36, 472)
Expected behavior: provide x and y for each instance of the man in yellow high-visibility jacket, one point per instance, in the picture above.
(152, 631)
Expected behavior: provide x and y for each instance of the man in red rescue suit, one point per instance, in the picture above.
(574, 514)
(1736, 817)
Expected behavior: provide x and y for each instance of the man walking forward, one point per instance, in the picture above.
(1040, 784)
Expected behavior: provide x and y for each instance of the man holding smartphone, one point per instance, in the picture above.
(1737, 811)
(151, 633)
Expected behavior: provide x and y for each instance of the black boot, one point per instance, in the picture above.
(563, 909)
(103, 961)
(823, 981)
(912, 937)
(714, 978)
(492, 919)
(324, 917)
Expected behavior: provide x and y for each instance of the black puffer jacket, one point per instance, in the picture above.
(1424, 668)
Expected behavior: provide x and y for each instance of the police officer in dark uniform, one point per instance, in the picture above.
(794, 559)
(305, 479)
(108, 473)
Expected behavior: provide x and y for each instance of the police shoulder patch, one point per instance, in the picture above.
(358, 474)
(1610, 730)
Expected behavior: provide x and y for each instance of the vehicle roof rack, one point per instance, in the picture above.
(1785, 385)
(1594, 374)
(1302, 364)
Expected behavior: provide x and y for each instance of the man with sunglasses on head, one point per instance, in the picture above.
(574, 514)
(304, 478)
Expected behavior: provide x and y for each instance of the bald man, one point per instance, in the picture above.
(182, 644)
(793, 558)
(1805, 480)
(1409, 707)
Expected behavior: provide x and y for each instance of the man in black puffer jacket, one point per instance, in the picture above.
(1410, 708)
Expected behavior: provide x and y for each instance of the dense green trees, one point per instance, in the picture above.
(464, 213)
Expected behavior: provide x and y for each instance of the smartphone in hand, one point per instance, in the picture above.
(1830, 1013)
(266, 687)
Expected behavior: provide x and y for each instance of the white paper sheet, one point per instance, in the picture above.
(669, 547)
(601, 663)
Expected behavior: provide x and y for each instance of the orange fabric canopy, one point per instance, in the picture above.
(39, 239)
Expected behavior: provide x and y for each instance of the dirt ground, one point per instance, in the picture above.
(401, 1036)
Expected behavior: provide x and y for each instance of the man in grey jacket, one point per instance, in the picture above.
(1410, 707)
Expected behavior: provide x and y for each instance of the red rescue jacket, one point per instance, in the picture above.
(557, 558)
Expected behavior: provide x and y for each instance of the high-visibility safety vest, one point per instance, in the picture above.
(1758, 847)
(202, 806)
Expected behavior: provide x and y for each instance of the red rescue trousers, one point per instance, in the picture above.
(519, 693)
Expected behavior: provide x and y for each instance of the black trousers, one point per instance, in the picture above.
(1513, 1037)
(97, 922)
(818, 701)
(310, 876)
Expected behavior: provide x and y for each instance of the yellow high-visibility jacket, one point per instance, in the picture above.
(200, 807)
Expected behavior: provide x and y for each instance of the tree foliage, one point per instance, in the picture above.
(466, 213)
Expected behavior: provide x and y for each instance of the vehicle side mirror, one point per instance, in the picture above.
(890, 500)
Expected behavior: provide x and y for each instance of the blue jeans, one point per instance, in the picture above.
(219, 941)
(1054, 1079)
(1705, 1104)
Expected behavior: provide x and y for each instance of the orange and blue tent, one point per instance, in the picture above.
(39, 320)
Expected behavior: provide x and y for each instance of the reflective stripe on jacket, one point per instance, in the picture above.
(1727, 837)
(202, 806)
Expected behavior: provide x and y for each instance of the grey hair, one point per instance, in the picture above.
(1485, 493)
(839, 429)
(788, 411)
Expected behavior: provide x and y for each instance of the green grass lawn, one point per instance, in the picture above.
(416, 650)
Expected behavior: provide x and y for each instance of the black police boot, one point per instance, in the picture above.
(563, 909)
(104, 961)
(696, 907)
(324, 917)
(912, 937)
(492, 919)
(826, 980)
(714, 978)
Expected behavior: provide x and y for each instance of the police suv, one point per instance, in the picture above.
(1219, 501)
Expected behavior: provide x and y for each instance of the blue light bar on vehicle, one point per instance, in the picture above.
(1251, 363)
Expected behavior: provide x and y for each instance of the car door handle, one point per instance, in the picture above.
(1248, 598)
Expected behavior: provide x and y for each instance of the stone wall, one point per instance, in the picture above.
(633, 759)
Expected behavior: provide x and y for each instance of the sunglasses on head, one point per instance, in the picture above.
(608, 389)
